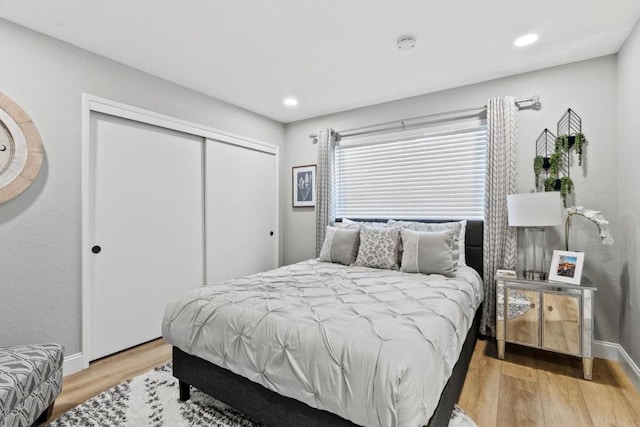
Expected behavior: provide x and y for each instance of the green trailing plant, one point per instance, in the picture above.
(562, 143)
(549, 184)
(566, 186)
(537, 167)
(555, 161)
(579, 145)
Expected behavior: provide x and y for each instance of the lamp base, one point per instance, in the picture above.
(535, 275)
(534, 253)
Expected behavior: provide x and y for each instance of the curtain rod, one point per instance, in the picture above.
(401, 124)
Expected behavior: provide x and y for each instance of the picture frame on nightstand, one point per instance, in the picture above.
(566, 267)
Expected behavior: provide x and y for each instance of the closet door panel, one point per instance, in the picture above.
(240, 211)
(148, 224)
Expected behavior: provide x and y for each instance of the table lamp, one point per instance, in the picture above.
(534, 211)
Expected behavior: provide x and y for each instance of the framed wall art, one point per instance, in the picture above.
(566, 267)
(304, 185)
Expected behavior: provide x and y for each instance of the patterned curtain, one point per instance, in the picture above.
(325, 175)
(499, 239)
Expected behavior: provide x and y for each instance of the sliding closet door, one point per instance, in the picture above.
(147, 195)
(240, 211)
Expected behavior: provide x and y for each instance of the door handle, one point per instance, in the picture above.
(96, 249)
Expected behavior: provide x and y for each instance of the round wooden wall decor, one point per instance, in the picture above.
(20, 149)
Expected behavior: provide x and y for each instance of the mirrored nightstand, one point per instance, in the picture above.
(552, 316)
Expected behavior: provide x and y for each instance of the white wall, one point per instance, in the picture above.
(40, 229)
(628, 178)
(587, 87)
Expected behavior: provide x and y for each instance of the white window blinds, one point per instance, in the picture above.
(435, 175)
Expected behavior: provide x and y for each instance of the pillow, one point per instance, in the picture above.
(457, 227)
(462, 244)
(378, 247)
(340, 245)
(355, 225)
(428, 252)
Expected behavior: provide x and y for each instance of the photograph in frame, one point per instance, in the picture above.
(566, 266)
(304, 186)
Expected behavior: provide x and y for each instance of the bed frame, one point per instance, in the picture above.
(273, 409)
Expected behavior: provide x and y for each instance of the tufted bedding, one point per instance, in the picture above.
(374, 346)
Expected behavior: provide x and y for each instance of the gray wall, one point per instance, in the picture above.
(587, 87)
(629, 196)
(40, 229)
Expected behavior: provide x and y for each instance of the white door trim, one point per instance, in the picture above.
(101, 105)
(118, 109)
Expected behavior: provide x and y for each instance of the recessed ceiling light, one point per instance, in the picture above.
(526, 40)
(290, 102)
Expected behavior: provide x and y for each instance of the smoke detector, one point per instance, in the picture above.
(406, 42)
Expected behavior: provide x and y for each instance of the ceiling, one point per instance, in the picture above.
(332, 55)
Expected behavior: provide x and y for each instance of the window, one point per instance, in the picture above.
(434, 175)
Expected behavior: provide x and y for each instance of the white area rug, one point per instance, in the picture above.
(151, 399)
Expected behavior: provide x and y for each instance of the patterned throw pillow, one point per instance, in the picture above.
(428, 252)
(355, 225)
(340, 245)
(378, 247)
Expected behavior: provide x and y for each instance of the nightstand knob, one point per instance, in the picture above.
(550, 308)
(533, 305)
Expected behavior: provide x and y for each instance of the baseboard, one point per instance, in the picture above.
(606, 350)
(72, 364)
(613, 351)
(630, 368)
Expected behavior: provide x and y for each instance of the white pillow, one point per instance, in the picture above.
(350, 224)
(461, 242)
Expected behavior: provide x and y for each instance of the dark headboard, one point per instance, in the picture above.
(473, 240)
(473, 245)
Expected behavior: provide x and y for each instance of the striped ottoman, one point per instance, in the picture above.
(30, 381)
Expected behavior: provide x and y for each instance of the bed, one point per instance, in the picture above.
(324, 344)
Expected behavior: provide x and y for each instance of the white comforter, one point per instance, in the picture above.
(373, 346)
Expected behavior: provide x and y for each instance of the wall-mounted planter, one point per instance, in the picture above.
(553, 154)
(545, 146)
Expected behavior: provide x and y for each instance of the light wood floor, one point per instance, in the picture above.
(538, 388)
(528, 388)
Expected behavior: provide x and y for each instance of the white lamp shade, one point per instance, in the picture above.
(534, 209)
